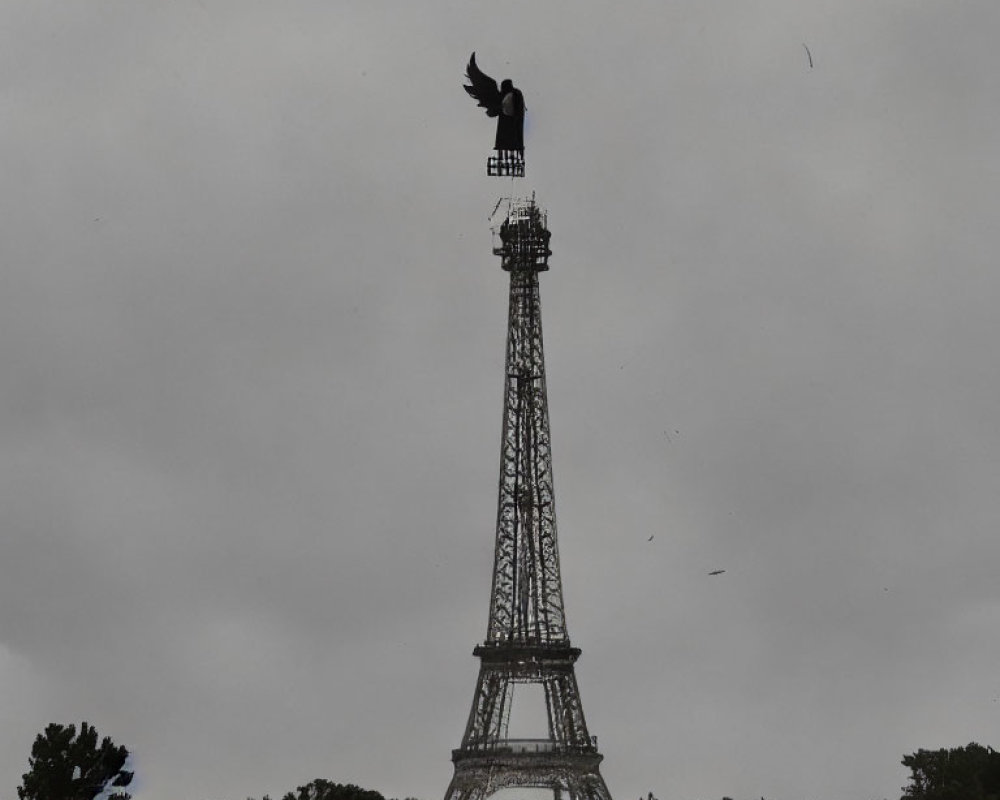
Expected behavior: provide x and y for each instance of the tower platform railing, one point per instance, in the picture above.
(535, 746)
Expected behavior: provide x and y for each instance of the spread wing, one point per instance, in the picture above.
(484, 89)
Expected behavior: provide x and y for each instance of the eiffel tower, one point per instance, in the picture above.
(526, 638)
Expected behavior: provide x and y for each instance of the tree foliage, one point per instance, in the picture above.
(961, 773)
(64, 766)
(321, 789)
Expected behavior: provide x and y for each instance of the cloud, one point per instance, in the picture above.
(252, 338)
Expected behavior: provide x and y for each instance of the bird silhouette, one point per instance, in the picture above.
(716, 572)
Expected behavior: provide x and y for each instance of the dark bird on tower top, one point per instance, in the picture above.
(505, 102)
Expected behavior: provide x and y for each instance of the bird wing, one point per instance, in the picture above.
(484, 89)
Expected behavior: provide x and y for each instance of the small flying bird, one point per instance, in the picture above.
(716, 572)
(808, 55)
(504, 102)
(650, 538)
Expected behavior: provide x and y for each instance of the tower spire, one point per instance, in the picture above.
(526, 638)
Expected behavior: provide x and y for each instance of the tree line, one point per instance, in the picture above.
(69, 765)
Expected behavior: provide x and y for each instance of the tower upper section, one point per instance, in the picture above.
(526, 607)
(523, 238)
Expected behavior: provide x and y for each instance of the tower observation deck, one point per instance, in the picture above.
(526, 637)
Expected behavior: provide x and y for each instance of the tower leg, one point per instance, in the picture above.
(489, 710)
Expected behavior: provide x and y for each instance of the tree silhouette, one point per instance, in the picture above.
(64, 766)
(960, 773)
(321, 789)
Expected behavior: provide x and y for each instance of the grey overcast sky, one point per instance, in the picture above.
(251, 343)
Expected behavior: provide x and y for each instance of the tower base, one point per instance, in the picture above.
(570, 775)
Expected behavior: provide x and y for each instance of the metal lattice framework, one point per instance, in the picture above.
(526, 637)
(506, 163)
